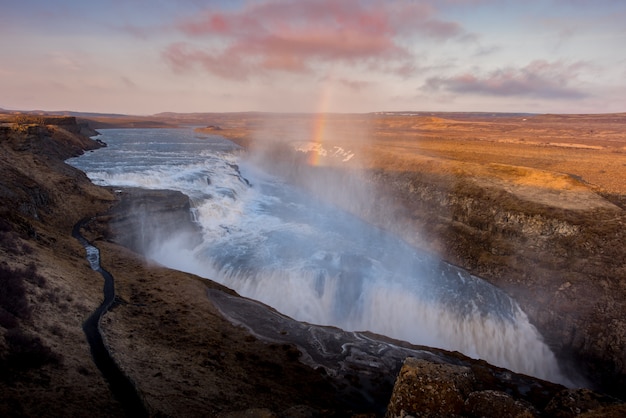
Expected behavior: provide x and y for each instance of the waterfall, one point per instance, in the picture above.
(278, 244)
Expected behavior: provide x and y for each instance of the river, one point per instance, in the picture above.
(273, 242)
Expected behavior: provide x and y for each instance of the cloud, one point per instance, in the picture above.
(66, 61)
(350, 84)
(302, 36)
(127, 82)
(354, 84)
(540, 79)
(483, 51)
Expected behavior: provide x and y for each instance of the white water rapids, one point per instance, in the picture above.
(274, 243)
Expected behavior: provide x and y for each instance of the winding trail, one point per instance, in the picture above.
(120, 385)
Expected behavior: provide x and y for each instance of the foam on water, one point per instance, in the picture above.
(271, 242)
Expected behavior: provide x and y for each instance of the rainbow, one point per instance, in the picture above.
(319, 128)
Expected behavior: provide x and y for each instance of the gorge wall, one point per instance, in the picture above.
(548, 239)
(565, 266)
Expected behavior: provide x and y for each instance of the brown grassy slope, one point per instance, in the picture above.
(187, 360)
(592, 150)
(46, 365)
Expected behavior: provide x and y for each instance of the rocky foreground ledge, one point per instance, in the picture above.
(191, 346)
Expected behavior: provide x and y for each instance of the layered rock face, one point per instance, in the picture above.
(146, 217)
(562, 261)
(427, 389)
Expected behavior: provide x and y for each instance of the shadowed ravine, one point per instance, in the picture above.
(121, 386)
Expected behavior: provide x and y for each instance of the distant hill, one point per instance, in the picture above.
(90, 114)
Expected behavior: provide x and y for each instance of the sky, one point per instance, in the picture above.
(143, 57)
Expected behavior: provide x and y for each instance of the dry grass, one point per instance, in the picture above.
(587, 149)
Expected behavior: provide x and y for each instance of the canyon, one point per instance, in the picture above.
(542, 219)
(534, 204)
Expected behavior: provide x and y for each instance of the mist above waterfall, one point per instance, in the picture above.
(281, 230)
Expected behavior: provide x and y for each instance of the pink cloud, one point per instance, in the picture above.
(354, 84)
(181, 57)
(297, 36)
(540, 78)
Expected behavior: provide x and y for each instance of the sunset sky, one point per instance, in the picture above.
(149, 56)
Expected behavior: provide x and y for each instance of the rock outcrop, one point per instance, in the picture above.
(430, 389)
(145, 217)
(427, 389)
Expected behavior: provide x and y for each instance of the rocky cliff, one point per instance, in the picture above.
(429, 389)
(558, 252)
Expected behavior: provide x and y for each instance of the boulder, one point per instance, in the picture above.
(145, 217)
(494, 403)
(427, 389)
(573, 402)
